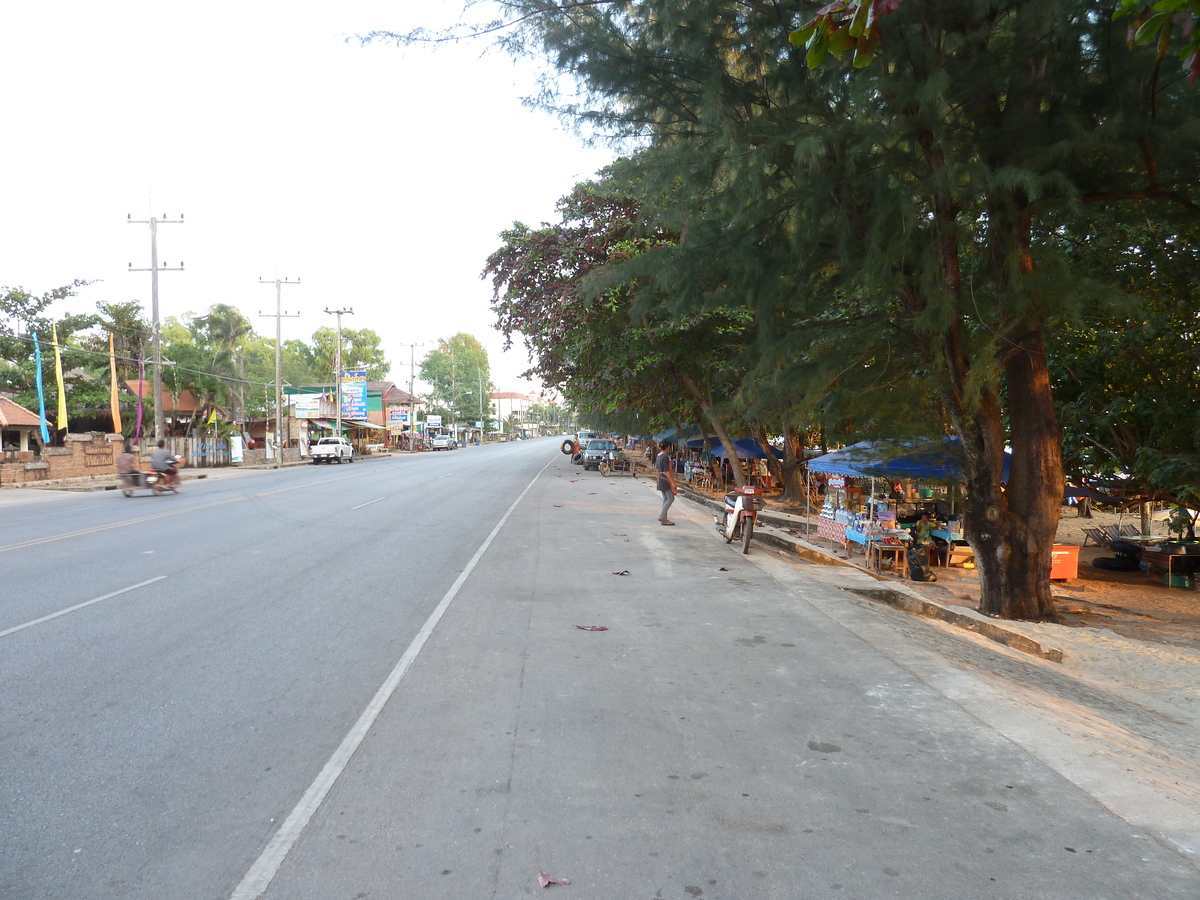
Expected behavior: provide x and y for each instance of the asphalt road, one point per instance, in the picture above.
(366, 681)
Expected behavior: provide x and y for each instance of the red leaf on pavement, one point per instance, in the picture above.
(592, 627)
(546, 880)
(723, 569)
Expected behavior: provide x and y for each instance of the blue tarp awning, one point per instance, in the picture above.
(671, 435)
(921, 461)
(747, 448)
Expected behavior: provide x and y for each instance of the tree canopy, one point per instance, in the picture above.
(898, 234)
(459, 376)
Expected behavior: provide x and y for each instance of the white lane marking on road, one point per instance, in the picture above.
(447, 475)
(71, 609)
(368, 503)
(177, 512)
(98, 528)
(259, 878)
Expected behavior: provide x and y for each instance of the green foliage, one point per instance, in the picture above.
(360, 350)
(1157, 24)
(1126, 367)
(460, 378)
(571, 291)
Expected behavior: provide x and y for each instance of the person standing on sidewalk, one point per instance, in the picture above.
(665, 466)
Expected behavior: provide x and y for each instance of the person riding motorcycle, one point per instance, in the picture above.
(163, 462)
(127, 462)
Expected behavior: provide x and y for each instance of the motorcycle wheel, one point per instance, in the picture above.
(127, 492)
(605, 468)
(747, 534)
(730, 535)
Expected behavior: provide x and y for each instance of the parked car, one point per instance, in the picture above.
(328, 449)
(593, 453)
(444, 442)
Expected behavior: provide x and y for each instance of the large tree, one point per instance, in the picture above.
(894, 221)
(566, 289)
(459, 376)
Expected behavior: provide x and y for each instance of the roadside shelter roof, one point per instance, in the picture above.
(747, 448)
(14, 415)
(918, 460)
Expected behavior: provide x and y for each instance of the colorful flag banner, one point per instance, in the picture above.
(61, 420)
(137, 429)
(114, 401)
(37, 356)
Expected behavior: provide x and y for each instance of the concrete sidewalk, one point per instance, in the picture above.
(1131, 706)
(1159, 676)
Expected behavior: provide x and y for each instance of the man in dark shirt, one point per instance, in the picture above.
(665, 466)
(162, 461)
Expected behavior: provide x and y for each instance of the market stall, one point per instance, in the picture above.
(876, 490)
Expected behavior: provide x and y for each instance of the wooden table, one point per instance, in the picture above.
(877, 553)
(1158, 559)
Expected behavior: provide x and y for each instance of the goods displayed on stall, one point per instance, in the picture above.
(876, 522)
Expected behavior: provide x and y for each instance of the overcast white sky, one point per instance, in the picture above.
(379, 176)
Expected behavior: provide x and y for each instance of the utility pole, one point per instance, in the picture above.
(412, 399)
(482, 418)
(280, 315)
(156, 335)
(337, 379)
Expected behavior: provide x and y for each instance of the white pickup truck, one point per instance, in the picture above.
(328, 449)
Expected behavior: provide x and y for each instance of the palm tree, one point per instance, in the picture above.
(225, 330)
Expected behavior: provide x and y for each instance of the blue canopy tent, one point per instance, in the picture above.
(883, 459)
(672, 436)
(917, 460)
(747, 448)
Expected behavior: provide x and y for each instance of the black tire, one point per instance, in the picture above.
(605, 469)
(350, 458)
(315, 461)
(127, 492)
(339, 460)
(747, 534)
(568, 447)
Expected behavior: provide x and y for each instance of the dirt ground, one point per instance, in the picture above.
(1133, 604)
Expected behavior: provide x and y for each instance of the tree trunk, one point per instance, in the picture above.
(718, 428)
(772, 462)
(714, 464)
(1012, 527)
(793, 487)
(1144, 508)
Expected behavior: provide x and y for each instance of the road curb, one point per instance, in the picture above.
(898, 597)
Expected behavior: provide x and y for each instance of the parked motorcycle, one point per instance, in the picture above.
(741, 513)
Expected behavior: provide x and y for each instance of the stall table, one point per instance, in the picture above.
(958, 551)
(832, 531)
(878, 552)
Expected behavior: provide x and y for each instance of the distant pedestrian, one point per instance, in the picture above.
(665, 466)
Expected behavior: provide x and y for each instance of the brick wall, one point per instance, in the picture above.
(91, 455)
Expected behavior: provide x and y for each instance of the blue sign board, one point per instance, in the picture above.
(354, 395)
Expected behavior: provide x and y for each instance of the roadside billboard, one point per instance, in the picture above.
(307, 406)
(433, 421)
(354, 394)
(397, 418)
